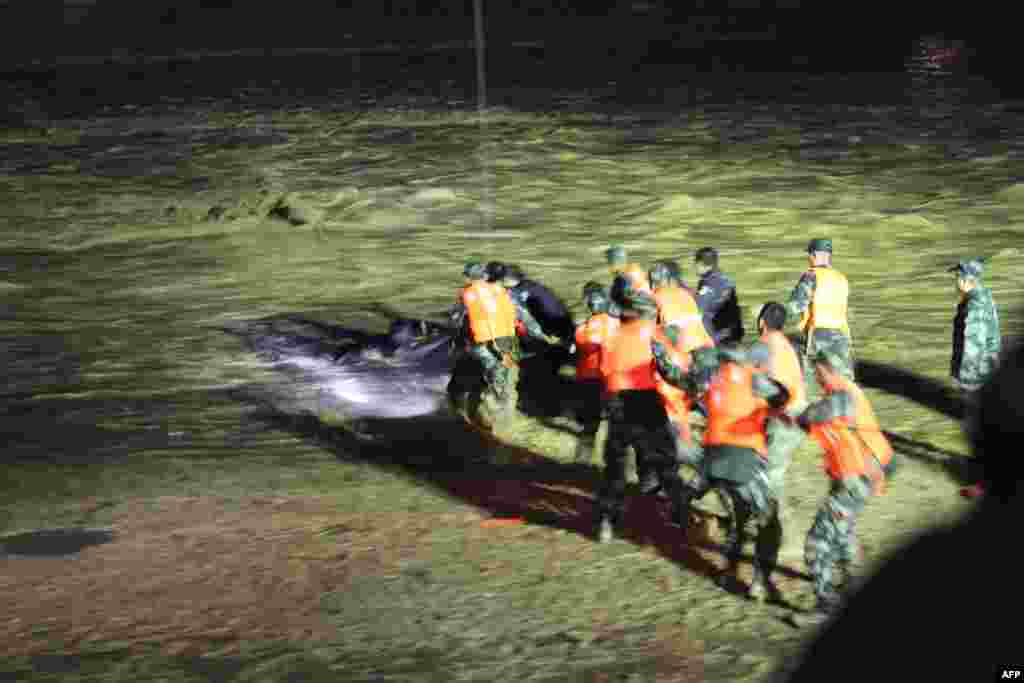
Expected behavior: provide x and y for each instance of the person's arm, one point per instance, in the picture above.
(772, 391)
(800, 298)
(835, 405)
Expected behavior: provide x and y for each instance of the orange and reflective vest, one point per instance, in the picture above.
(855, 446)
(591, 337)
(827, 310)
(736, 416)
(636, 276)
(784, 367)
(675, 400)
(492, 314)
(627, 362)
(677, 307)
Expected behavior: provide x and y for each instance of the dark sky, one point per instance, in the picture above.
(575, 28)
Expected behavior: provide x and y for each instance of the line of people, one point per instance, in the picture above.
(652, 351)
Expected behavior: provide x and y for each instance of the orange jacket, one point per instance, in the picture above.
(591, 337)
(784, 367)
(636, 276)
(627, 361)
(852, 445)
(736, 416)
(491, 313)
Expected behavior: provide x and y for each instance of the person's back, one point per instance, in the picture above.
(547, 308)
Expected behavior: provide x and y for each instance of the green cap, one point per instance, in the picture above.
(971, 268)
(732, 354)
(596, 300)
(705, 360)
(632, 302)
(616, 254)
(660, 274)
(475, 271)
(819, 244)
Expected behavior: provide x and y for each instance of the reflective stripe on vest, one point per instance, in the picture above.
(627, 362)
(827, 310)
(784, 367)
(736, 417)
(492, 314)
(590, 338)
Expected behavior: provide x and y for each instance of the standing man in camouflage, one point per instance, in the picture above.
(716, 297)
(820, 300)
(976, 341)
(488, 371)
(590, 338)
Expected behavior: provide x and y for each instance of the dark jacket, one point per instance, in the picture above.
(716, 297)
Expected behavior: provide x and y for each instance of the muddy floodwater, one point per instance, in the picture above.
(144, 207)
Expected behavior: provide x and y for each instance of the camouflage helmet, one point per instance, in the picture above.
(660, 274)
(631, 302)
(615, 254)
(819, 244)
(495, 271)
(596, 300)
(971, 269)
(475, 270)
(593, 285)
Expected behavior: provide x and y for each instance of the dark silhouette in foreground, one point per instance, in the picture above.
(946, 602)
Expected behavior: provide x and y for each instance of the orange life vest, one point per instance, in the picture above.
(827, 310)
(637, 277)
(675, 400)
(784, 367)
(853, 445)
(677, 307)
(736, 416)
(492, 314)
(591, 336)
(627, 361)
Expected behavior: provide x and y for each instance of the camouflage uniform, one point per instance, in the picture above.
(486, 374)
(833, 343)
(832, 539)
(976, 340)
(739, 474)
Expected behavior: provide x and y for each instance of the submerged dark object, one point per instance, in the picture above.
(53, 542)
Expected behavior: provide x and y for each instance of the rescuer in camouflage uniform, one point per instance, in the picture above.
(737, 472)
(831, 541)
(976, 342)
(834, 341)
(489, 371)
(784, 437)
(636, 416)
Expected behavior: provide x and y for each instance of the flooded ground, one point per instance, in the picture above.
(144, 208)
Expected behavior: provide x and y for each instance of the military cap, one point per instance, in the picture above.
(732, 354)
(707, 256)
(495, 271)
(616, 254)
(597, 300)
(475, 271)
(593, 286)
(660, 272)
(631, 301)
(971, 268)
(819, 244)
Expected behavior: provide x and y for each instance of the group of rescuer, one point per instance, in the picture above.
(653, 351)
